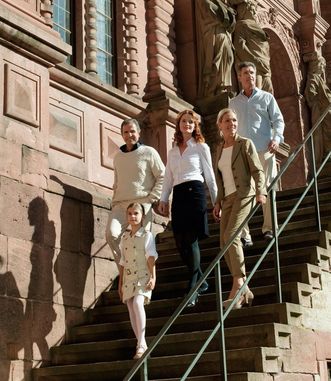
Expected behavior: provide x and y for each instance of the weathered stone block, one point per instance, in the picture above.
(105, 273)
(35, 169)
(294, 377)
(15, 206)
(301, 358)
(101, 249)
(19, 265)
(10, 159)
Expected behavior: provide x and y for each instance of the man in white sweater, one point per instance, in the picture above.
(139, 173)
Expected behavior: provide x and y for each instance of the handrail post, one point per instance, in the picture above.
(272, 195)
(219, 302)
(144, 371)
(316, 195)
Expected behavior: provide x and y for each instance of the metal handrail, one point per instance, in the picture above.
(215, 264)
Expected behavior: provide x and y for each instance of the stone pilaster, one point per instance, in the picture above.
(46, 11)
(130, 47)
(312, 27)
(91, 37)
(161, 57)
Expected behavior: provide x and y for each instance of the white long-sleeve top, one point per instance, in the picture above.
(194, 164)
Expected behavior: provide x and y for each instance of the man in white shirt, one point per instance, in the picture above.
(139, 173)
(259, 119)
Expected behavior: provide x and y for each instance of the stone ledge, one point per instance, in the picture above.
(32, 39)
(92, 90)
(77, 189)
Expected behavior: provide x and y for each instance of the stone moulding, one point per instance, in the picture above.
(37, 42)
(90, 89)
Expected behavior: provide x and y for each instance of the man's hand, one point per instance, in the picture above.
(273, 146)
(164, 208)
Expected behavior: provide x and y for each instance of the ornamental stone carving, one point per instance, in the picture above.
(130, 47)
(46, 11)
(161, 49)
(91, 37)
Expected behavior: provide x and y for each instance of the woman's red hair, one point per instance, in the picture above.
(197, 134)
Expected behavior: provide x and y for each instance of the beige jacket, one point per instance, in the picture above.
(245, 166)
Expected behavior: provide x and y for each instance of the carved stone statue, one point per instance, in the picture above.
(251, 42)
(215, 22)
(318, 97)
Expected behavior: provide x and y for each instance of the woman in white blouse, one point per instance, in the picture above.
(189, 165)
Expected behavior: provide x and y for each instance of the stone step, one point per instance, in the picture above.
(283, 313)
(293, 292)
(295, 240)
(251, 376)
(260, 359)
(310, 254)
(174, 344)
(303, 213)
(177, 284)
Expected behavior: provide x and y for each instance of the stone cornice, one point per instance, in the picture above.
(91, 90)
(288, 15)
(37, 41)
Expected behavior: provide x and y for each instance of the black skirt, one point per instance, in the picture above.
(189, 209)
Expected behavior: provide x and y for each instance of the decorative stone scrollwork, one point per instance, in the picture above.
(91, 37)
(46, 11)
(130, 47)
(273, 14)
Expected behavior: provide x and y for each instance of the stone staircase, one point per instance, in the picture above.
(264, 342)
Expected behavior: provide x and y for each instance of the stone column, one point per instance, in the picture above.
(91, 37)
(161, 91)
(161, 57)
(130, 47)
(46, 11)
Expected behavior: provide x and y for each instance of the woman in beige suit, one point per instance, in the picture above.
(236, 163)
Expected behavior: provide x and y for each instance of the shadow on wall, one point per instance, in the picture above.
(11, 320)
(74, 258)
(28, 330)
(39, 312)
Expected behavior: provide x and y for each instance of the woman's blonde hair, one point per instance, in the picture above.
(222, 113)
(197, 134)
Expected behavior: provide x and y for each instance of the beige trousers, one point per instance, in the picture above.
(268, 162)
(234, 211)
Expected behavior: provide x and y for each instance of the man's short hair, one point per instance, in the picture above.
(244, 64)
(133, 122)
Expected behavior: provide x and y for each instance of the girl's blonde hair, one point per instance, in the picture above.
(138, 206)
(197, 134)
